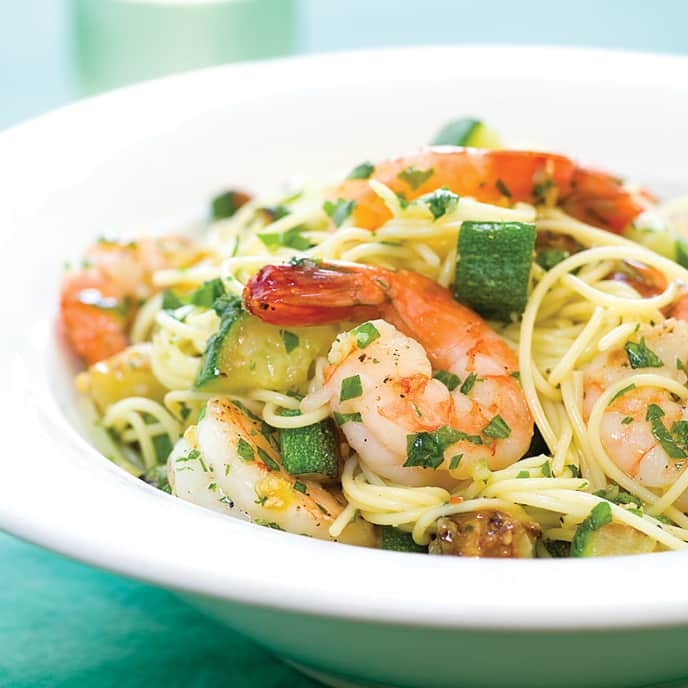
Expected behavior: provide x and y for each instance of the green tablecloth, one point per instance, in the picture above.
(66, 624)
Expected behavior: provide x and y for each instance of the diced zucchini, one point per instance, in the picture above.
(467, 131)
(614, 539)
(654, 233)
(493, 267)
(399, 541)
(597, 536)
(226, 204)
(247, 353)
(310, 451)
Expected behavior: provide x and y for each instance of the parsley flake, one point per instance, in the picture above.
(341, 418)
(300, 487)
(291, 341)
(639, 356)
(351, 388)
(268, 460)
(366, 334)
(662, 435)
(245, 450)
(414, 177)
(468, 383)
(455, 461)
(503, 188)
(497, 428)
(426, 449)
(362, 171)
(440, 202)
(449, 380)
(339, 210)
(621, 392)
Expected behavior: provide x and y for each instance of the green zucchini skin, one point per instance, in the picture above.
(230, 312)
(493, 267)
(458, 132)
(399, 541)
(311, 451)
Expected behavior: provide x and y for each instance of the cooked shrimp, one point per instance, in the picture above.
(423, 329)
(229, 463)
(497, 176)
(626, 433)
(97, 302)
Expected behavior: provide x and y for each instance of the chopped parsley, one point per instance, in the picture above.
(497, 429)
(366, 334)
(341, 418)
(600, 516)
(613, 493)
(426, 449)
(362, 171)
(351, 388)
(291, 341)
(414, 177)
(267, 524)
(679, 364)
(549, 257)
(468, 383)
(573, 469)
(440, 202)
(546, 469)
(226, 500)
(207, 293)
(403, 201)
(300, 487)
(268, 460)
(261, 500)
(626, 420)
(621, 392)
(449, 380)
(523, 474)
(339, 210)
(170, 301)
(245, 450)
(455, 461)
(639, 356)
(503, 188)
(669, 443)
(290, 238)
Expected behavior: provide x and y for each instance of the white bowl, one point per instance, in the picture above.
(158, 151)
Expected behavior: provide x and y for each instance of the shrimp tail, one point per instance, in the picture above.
(600, 199)
(315, 293)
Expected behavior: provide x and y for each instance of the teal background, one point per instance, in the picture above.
(66, 624)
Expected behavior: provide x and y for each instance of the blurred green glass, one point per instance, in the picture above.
(117, 42)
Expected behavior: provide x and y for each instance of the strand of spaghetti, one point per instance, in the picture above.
(561, 272)
(600, 454)
(617, 336)
(635, 306)
(579, 345)
(271, 417)
(345, 517)
(145, 320)
(535, 484)
(267, 396)
(192, 276)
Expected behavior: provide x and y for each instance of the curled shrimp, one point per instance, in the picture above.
(497, 176)
(422, 328)
(629, 430)
(98, 302)
(229, 463)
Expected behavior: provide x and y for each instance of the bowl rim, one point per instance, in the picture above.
(80, 512)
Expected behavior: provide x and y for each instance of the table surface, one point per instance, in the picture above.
(63, 623)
